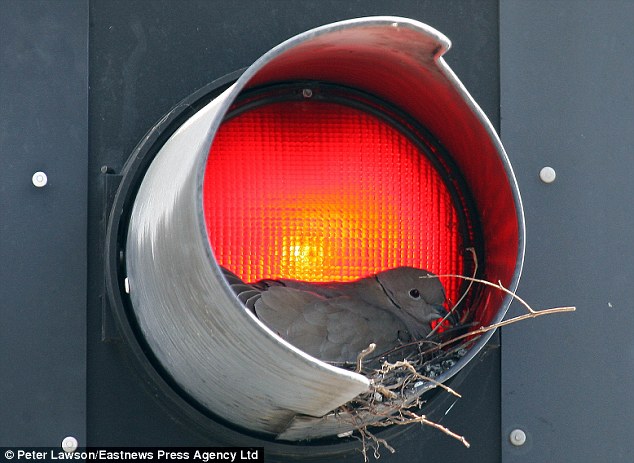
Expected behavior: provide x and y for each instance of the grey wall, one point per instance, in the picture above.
(567, 80)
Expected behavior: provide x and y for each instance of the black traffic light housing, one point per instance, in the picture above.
(159, 258)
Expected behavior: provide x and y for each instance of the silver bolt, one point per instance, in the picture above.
(547, 174)
(307, 93)
(39, 179)
(517, 437)
(69, 444)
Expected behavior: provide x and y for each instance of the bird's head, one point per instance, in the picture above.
(417, 299)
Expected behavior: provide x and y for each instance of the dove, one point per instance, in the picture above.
(335, 321)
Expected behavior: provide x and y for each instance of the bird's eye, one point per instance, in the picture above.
(414, 293)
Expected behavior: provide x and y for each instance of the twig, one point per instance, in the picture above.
(377, 442)
(422, 419)
(462, 297)
(407, 417)
(408, 366)
(363, 354)
(531, 314)
(385, 391)
(488, 283)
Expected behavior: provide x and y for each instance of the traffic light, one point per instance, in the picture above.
(344, 151)
(338, 154)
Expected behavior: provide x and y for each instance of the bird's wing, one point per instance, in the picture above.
(331, 329)
(246, 293)
(315, 288)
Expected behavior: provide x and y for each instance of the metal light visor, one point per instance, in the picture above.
(216, 350)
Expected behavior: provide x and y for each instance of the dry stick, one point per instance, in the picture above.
(464, 294)
(365, 434)
(411, 416)
(421, 419)
(532, 314)
(483, 329)
(414, 418)
(488, 283)
(384, 391)
(408, 366)
(379, 441)
(363, 354)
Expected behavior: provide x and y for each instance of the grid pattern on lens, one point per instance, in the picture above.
(320, 191)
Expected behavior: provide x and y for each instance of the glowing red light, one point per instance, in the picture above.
(320, 191)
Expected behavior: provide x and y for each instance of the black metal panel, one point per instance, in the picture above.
(567, 102)
(146, 57)
(43, 127)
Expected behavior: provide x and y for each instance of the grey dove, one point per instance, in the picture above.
(335, 321)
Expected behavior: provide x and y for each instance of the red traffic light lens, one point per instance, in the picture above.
(317, 190)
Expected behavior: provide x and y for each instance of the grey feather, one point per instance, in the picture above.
(336, 321)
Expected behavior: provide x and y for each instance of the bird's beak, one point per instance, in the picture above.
(442, 313)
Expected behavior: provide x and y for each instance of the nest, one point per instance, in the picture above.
(400, 376)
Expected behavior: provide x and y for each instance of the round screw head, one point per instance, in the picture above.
(517, 437)
(39, 179)
(547, 174)
(69, 444)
